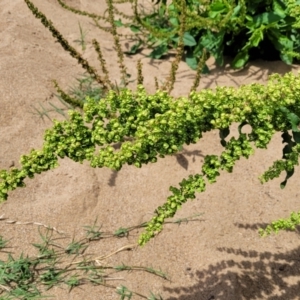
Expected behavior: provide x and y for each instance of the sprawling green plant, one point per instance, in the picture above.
(158, 126)
(282, 224)
(67, 265)
(241, 29)
(149, 126)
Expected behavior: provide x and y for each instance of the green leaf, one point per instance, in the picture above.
(188, 40)
(293, 118)
(255, 38)
(279, 7)
(219, 57)
(236, 10)
(285, 42)
(216, 9)
(296, 136)
(249, 18)
(134, 28)
(211, 40)
(266, 19)
(172, 8)
(174, 21)
(280, 41)
(217, 6)
(134, 49)
(240, 60)
(205, 69)
(159, 51)
(288, 59)
(118, 23)
(191, 62)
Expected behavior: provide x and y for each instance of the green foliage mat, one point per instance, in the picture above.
(244, 30)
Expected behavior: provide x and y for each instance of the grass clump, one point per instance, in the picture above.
(66, 264)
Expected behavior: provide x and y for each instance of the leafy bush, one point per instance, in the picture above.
(241, 29)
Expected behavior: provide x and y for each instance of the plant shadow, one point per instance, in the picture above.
(259, 275)
(248, 275)
(255, 71)
(183, 161)
(180, 158)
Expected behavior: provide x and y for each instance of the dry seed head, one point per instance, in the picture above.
(117, 42)
(140, 78)
(102, 63)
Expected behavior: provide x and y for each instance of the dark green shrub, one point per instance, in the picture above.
(242, 29)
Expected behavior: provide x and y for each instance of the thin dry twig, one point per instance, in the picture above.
(2, 218)
(98, 259)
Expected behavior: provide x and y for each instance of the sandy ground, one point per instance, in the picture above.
(220, 257)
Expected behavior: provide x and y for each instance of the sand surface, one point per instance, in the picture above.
(219, 257)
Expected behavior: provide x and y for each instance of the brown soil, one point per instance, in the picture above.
(221, 257)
